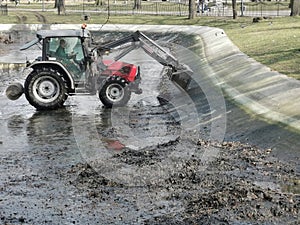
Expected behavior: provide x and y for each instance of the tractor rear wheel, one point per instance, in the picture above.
(45, 89)
(114, 92)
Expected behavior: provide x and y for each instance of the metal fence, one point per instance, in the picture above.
(265, 9)
(151, 8)
(253, 9)
(278, 8)
(172, 8)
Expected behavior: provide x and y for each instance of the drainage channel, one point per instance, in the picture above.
(144, 157)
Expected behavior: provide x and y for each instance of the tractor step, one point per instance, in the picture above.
(83, 91)
(83, 94)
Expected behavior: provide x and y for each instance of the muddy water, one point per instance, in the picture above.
(85, 164)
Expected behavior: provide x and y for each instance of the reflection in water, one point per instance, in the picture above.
(15, 124)
(141, 125)
(50, 127)
(13, 134)
(51, 143)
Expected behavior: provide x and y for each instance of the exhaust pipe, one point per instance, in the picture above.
(14, 91)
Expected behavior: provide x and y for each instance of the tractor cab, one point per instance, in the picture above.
(68, 47)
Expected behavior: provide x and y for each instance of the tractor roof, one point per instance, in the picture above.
(42, 34)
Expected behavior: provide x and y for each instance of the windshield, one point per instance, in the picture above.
(70, 45)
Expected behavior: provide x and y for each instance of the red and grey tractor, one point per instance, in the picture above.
(79, 69)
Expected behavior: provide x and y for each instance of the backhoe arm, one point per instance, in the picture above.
(180, 74)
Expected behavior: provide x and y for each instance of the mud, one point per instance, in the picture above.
(151, 162)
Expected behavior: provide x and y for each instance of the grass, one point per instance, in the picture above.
(274, 42)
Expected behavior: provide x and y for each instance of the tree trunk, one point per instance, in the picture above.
(137, 4)
(60, 6)
(191, 9)
(234, 11)
(295, 7)
(98, 2)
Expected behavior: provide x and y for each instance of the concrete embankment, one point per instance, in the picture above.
(272, 95)
(255, 87)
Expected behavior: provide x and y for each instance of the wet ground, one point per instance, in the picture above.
(169, 157)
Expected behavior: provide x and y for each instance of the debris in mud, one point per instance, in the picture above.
(91, 182)
(89, 178)
(243, 185)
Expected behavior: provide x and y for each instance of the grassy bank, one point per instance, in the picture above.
(274, 42)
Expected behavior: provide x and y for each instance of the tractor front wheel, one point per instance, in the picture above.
(45, 89)
(114, 92)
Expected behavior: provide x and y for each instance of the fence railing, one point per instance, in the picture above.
(151, 8)
(172, 8)
(246, 9)
(181, 9)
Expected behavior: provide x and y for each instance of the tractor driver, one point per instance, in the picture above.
(61, 51)
(69, 60)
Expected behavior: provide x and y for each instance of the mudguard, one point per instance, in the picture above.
(67, 75)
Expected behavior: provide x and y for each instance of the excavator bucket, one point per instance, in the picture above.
(181, 80)
(182, 77)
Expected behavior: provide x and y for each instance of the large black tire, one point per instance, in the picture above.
(45, 89)
(114, 92)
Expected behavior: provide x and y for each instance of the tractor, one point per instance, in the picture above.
(71, 64)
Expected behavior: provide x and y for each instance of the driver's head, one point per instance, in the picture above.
(62, 43)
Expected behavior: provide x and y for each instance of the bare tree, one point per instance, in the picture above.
(295, 7)
(137, 4)
(191, 9)
(234, 11)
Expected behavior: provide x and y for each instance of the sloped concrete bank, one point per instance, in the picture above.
(270, 94)
(254, 86)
